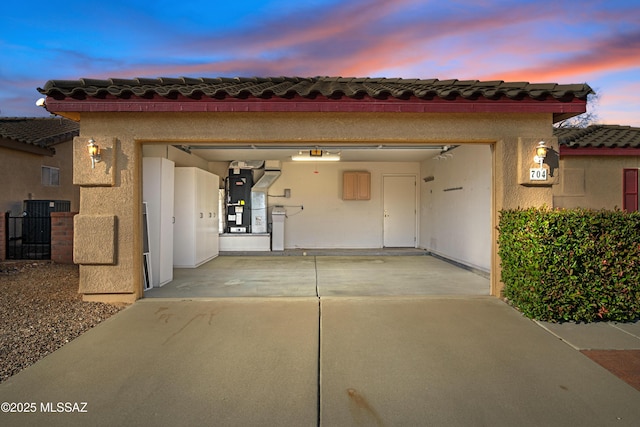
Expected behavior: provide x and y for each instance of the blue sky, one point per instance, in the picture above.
(569, 41)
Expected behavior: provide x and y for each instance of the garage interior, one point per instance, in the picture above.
(423, 226)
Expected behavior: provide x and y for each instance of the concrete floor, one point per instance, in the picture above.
(323, 274)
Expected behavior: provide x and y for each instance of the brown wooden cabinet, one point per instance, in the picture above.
(356, 185)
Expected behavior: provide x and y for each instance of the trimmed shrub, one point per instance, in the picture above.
(571, 265)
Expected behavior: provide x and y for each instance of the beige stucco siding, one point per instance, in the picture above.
(23, 171)
(337, 126)
(592, 182)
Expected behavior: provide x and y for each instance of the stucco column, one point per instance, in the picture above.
(105, 228)
(512, 188)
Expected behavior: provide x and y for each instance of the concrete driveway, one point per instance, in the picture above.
(326, 357)
(334, 361)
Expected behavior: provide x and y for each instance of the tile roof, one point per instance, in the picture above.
(41, 132)
(329, 87)
(599, 136)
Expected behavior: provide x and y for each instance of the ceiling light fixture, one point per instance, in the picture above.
(315, 156)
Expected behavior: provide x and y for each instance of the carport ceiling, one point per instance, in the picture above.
(348, 153)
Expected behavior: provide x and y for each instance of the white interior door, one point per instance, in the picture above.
(399, 202)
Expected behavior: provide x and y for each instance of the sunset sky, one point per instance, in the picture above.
(568, 41)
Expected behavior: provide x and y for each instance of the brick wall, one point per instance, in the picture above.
(62, 237)
(3, 236)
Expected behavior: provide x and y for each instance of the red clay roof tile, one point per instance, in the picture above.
(329, 87)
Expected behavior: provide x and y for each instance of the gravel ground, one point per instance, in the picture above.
(40, 311)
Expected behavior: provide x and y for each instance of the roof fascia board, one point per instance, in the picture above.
(300, 104)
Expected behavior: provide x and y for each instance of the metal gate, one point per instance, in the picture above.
(28, 237)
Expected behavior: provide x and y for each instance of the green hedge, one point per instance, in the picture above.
(576, 265)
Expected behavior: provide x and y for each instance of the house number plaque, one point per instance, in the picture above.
(538, 174)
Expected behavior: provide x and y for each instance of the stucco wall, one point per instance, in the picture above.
(122, 200)
(23, 171)
(592, 182)
(456, 206)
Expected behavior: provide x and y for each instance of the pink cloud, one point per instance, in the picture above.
(621, 52)
(293, 31)
(359, 39)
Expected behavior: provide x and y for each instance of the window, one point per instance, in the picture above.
(50, 176)
(630, 190)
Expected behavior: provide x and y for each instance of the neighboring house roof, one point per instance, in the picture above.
(599, 140)
(310, 94)
(37, 135)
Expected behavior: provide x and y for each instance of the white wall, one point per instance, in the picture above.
(457, 223)
(326, 220)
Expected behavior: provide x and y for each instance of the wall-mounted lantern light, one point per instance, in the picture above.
(541, 153)
(94, 153)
